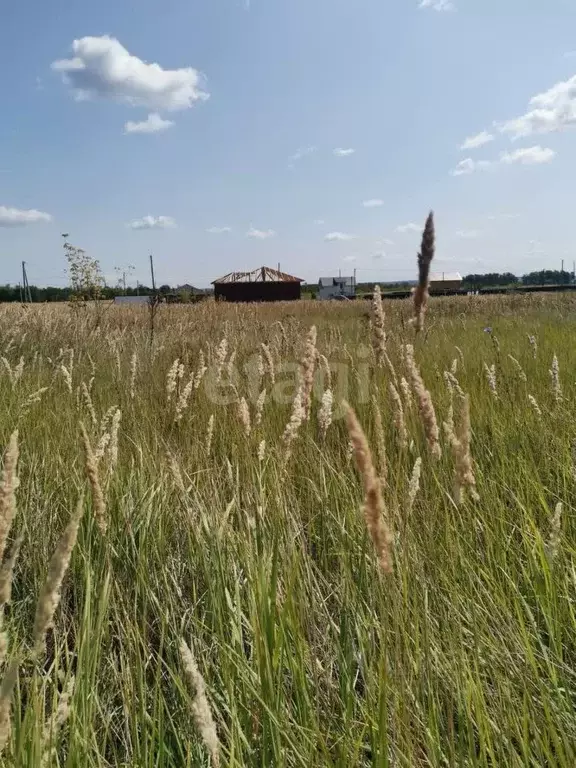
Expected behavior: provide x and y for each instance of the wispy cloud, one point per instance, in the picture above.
(300, 153)
(468, 234)
(549, 111)
(339, 152)
(438, 5)
(260, 234)
(153, 222)
(410, 227)
(16, 217)
(468, 165)
(333, 237)
(350, 257)
(476, 141)
(374, 203)
(319, 222)
(502, 216)
(153, 124)
(218, 230)
(528, 156)
(536, 155)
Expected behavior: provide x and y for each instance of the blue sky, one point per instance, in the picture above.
(223, 156)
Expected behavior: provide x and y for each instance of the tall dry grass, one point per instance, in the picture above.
(251, 542)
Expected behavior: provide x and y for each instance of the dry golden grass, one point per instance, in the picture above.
(217, 461)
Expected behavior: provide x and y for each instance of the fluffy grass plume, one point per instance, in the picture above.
(425, 404)
(49, 597)
(425, 256)
(374, 508)
(8, 486)
(201, 711)
(98, 503)
(378, 326)
(6, 691)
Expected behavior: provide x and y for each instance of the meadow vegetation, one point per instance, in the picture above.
(289, 535)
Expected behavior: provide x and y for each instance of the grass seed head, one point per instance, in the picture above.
(8, 486)
(374, 509)
(425, 405)
(201, 711)
(425, 257)
(94, 479)
(50, 594)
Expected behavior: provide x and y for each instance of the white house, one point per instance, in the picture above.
(331, 287)
(445, 281)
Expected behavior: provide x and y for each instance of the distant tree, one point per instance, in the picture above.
(489, 280)
(86, 279)
(184, 296)
(547, 277)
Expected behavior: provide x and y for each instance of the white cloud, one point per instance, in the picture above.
(302, 152)
(14, 217)
(384, 241)
(525, 156)
(438, 5)
(503, 216)
(153, 222)
(333, 237)
(528, 156)
(468, 234)
(102, 67)
(479, 140)
(551, 111)
(379, 255)
(218, 230)
(468, 165)
(349, 258)
(339, 152)
(153, 124)
(373, 203)
(319, 222)
(260, 234)
(410, 227)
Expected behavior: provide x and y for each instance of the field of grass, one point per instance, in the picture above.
(211, 515)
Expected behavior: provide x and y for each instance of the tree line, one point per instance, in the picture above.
(53, 293)
(541, 277)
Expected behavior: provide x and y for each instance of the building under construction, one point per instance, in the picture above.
(262, 284)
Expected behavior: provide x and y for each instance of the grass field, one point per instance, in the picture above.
(212, 515)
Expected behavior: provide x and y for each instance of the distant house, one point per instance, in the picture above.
(187, 288)
(131, 299)
(330, 287)
(262, 284)
(445, 281)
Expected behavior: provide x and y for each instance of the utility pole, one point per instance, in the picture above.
(25, 285)
(124, 282)
(152, 273)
